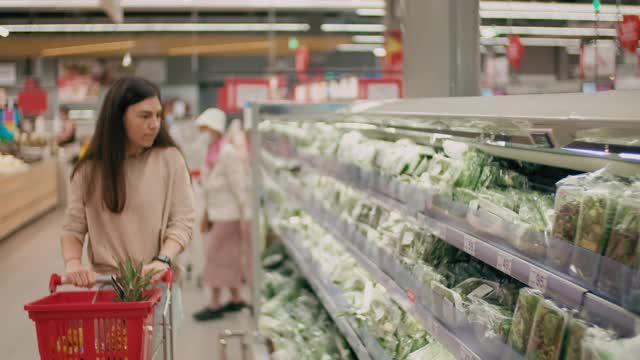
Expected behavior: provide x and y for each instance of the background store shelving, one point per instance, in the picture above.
(525, 118)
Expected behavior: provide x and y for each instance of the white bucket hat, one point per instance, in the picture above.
(214, 119)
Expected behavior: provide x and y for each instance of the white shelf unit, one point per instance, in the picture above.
(561, 120)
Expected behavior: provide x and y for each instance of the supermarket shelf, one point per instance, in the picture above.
(331, 297)
(402, 288)
(509, 262)
(555, 285)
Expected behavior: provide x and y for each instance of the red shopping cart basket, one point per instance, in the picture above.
(90, 325)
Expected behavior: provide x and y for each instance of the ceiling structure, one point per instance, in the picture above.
(176, 27)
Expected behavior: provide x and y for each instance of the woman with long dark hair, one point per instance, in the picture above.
(130, 195)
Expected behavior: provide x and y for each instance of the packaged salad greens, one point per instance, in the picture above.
(565, 225)
(476, 288)
(545, 341)
(623, 247)
(594, 226)
(578, 333)
(523, 319)
(411, 337)
(432, 351)
(601, 345)
(474, 163)
(491, 322)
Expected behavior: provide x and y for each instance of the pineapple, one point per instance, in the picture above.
(129, 283)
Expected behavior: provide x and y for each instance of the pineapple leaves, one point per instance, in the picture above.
(129, 282)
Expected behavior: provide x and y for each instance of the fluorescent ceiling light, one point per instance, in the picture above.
(379, 52)
(555, 7)
(191, 27)
(545, 15)
(488, 31)
(370, 39)
(127, 60)
(165, 5)
(370, 12)
(352, 28)
(357, 47)
(89, 48)
(4, 32)
(218, 48)
(550, 31)
(553, 42)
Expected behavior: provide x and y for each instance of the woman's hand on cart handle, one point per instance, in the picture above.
(78, 275)
(159, 268)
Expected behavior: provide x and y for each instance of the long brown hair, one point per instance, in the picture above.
(107, 151)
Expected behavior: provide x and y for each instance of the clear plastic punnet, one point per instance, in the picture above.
(545, 341)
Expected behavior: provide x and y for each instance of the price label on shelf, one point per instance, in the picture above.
(411, 295)
(448, 311)
(504, 262)
(470, 245)
(436, 329)
(442, 231)
(538, 279)
(465, 354)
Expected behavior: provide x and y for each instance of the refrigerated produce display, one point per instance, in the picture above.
(466, 228)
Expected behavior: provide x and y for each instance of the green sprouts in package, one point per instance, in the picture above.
(545, 341)
(523, 319)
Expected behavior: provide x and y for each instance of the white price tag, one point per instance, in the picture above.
(538, 279)
(465, 354)
(470, 245)
(448, 311)
(436, 330)
(504, 262)
(442, 231)
(407, 238)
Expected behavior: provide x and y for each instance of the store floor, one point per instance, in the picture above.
(28, 258)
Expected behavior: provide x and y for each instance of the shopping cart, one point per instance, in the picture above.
(89, 325)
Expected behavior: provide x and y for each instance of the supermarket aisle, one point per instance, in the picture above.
(31, 255)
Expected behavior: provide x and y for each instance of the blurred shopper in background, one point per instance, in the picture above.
(67, 134)
(130, 195)
(224, 221)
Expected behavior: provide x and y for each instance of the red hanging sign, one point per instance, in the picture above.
(515, 51)
(32, 99)
(302, 61)
(393, 46)
(629, 32)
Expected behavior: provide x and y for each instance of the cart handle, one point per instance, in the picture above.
(57, 280)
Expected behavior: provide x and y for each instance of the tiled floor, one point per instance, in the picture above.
(28, 258)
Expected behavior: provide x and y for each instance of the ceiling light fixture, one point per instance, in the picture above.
(370, 12)
(377, 28)
(189, 27)
(550, 31)
(165, 5)
(380, 52)
(368, 39)
(551, 42)
(357, 47)
(89, 48)
(127, 60)
(546, 15)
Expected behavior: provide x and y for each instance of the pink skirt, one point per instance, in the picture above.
(227, 256)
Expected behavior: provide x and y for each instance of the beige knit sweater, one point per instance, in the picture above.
(159, 206)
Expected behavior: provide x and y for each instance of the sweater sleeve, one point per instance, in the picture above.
(75, 218)
(237, 173)
(181, 212)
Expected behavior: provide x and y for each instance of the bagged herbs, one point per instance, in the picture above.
(490, 321)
